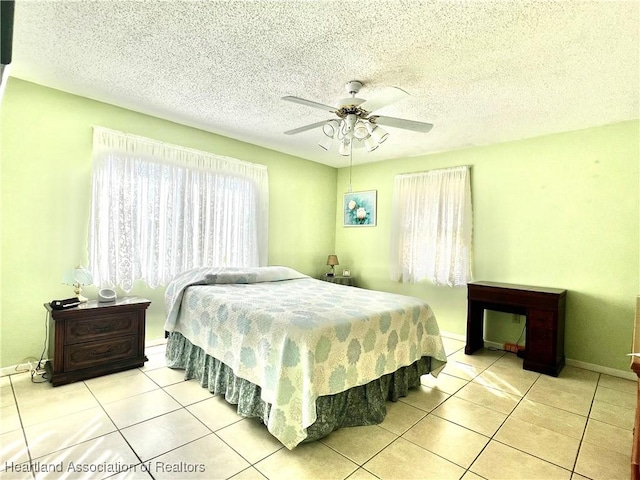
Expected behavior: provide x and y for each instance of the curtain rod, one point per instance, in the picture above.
(160, 143)
(434, 170)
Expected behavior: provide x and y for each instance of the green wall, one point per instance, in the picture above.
(46, 189)
(556, 211)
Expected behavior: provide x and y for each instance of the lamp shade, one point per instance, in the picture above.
(370, 143)
(360, 130)
(325, 142)
(332, 260)
(379, 134)
(330, 128)
(78, 275)
(345, 147)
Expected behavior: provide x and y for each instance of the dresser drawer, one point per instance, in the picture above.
(85, 355)
(96, 339)
(540, 347)
(101, 327)
(539, 320)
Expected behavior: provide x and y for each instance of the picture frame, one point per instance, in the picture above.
(360, 208)
(346, 273)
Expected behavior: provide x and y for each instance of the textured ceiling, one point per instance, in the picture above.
(482, 72)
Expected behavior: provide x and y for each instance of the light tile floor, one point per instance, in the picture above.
(483, 417)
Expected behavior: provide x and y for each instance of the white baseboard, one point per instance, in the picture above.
(26, 367)
(155, 342)
(454, 336)
(496, 345)
(614, 372)
(15, 369)
(6, 371)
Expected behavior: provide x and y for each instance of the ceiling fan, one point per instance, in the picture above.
(355, 126)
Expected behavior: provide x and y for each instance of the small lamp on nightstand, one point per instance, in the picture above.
(332, 260)
(77, 277)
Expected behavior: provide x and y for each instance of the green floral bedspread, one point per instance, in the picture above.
(299, 338)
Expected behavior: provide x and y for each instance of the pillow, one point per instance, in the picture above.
(231, 277)
(253, 275)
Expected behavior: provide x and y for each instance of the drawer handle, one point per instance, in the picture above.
(106, 353)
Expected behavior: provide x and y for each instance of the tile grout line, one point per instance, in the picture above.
(358, 466)
(212, 432)
(586, 425)
(469, 381)
(24, 433)
(515, 448)
(468, 469)
(115, 425)
(572, 471)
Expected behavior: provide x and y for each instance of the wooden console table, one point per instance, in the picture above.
(544, 309)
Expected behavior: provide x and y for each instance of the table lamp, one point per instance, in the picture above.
(332, 260)
(77, 277)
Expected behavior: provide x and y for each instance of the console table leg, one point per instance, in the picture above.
(475, 328)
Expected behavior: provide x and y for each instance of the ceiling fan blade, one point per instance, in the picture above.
(309, 103)
(305, 128)
(402, 123)
(386, 97)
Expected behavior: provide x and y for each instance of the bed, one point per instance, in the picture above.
(305, 356)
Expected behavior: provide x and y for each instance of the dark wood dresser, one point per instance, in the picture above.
(544, 308)
(339, 280)
(95, 339)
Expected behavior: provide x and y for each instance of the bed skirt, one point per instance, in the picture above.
(362, 405)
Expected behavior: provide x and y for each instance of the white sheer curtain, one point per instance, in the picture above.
(431, 227)
(159, 209)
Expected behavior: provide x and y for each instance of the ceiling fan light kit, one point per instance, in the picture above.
(370, 144)
(325, 142)
(355, 127)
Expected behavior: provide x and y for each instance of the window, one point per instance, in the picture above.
(158, 210)
(431, 227)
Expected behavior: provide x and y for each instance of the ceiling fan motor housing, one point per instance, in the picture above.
(353, 87)
(350, 102)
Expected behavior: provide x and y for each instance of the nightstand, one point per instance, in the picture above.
(338, 279)
(95, 339)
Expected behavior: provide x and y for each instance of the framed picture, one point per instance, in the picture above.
(346, 273)
(359, 209)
